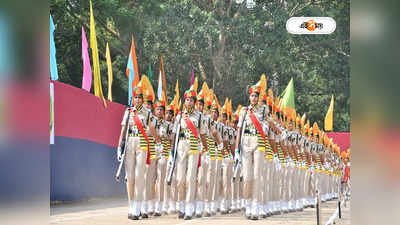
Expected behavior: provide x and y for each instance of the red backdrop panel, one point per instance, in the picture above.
(79, 114)
(342, 139)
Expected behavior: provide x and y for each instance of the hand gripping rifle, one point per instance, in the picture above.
(174, 151)
(237, 163)
(123, 147)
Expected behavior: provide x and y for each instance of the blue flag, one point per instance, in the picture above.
(53, 63)
(130, 89)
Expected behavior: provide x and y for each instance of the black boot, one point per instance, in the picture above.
(132, 217)
(187, 218)
(181, 215)
(254, 217)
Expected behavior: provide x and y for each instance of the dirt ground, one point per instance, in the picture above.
(113, 211)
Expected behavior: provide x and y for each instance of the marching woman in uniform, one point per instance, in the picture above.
(214, 145)
(162, 128)
(190, 145)
(251, 155)
(202, 173)
(137, 153)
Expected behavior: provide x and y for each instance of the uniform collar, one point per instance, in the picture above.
(189, 112)
(138, 108)
(253, 107)
(161, 120)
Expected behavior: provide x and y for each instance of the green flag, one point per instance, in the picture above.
(287, 95)
(150, 74)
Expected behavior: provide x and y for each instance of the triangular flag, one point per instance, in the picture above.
(130, 91)
(192, 79)
(132, 66)
(177, 89)
(195, 84)
(95, 58)
(87, 70)
(110, 75)
(159, 87)
(148, 88)
(329, 117)
(162, 83)
(53, 61)
(150, 73)
(288, 96)
(164, 80)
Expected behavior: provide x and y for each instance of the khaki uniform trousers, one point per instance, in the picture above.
(290, 182)
(150, 180)
(252, 161)
(296, 183)
(284, 180)
(275, 186)
(216, 190)
(227, 173)
(235, 186)
(202, 179)
(264, 181)
(210, 180)
(317, 181)
(307, 185)
(270, 167)
(312, 185)
(303, 183)
(161, 183)
(186, 176)
(135, 169)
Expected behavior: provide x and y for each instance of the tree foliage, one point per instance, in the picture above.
(227, 44)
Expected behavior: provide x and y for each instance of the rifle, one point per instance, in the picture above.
(174, 151)
(123, 143)
(237, 164)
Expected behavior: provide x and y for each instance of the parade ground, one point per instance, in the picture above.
(113, 211)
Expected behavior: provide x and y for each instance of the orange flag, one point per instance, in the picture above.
(132, 67)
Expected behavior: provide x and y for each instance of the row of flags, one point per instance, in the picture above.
(132, 72)
(132, 69)
(132, 66)
(287, 100)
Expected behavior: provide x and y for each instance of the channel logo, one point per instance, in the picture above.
(311, 25)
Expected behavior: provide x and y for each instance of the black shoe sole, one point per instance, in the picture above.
(254, 218)
(187, 218)
(133, 217)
